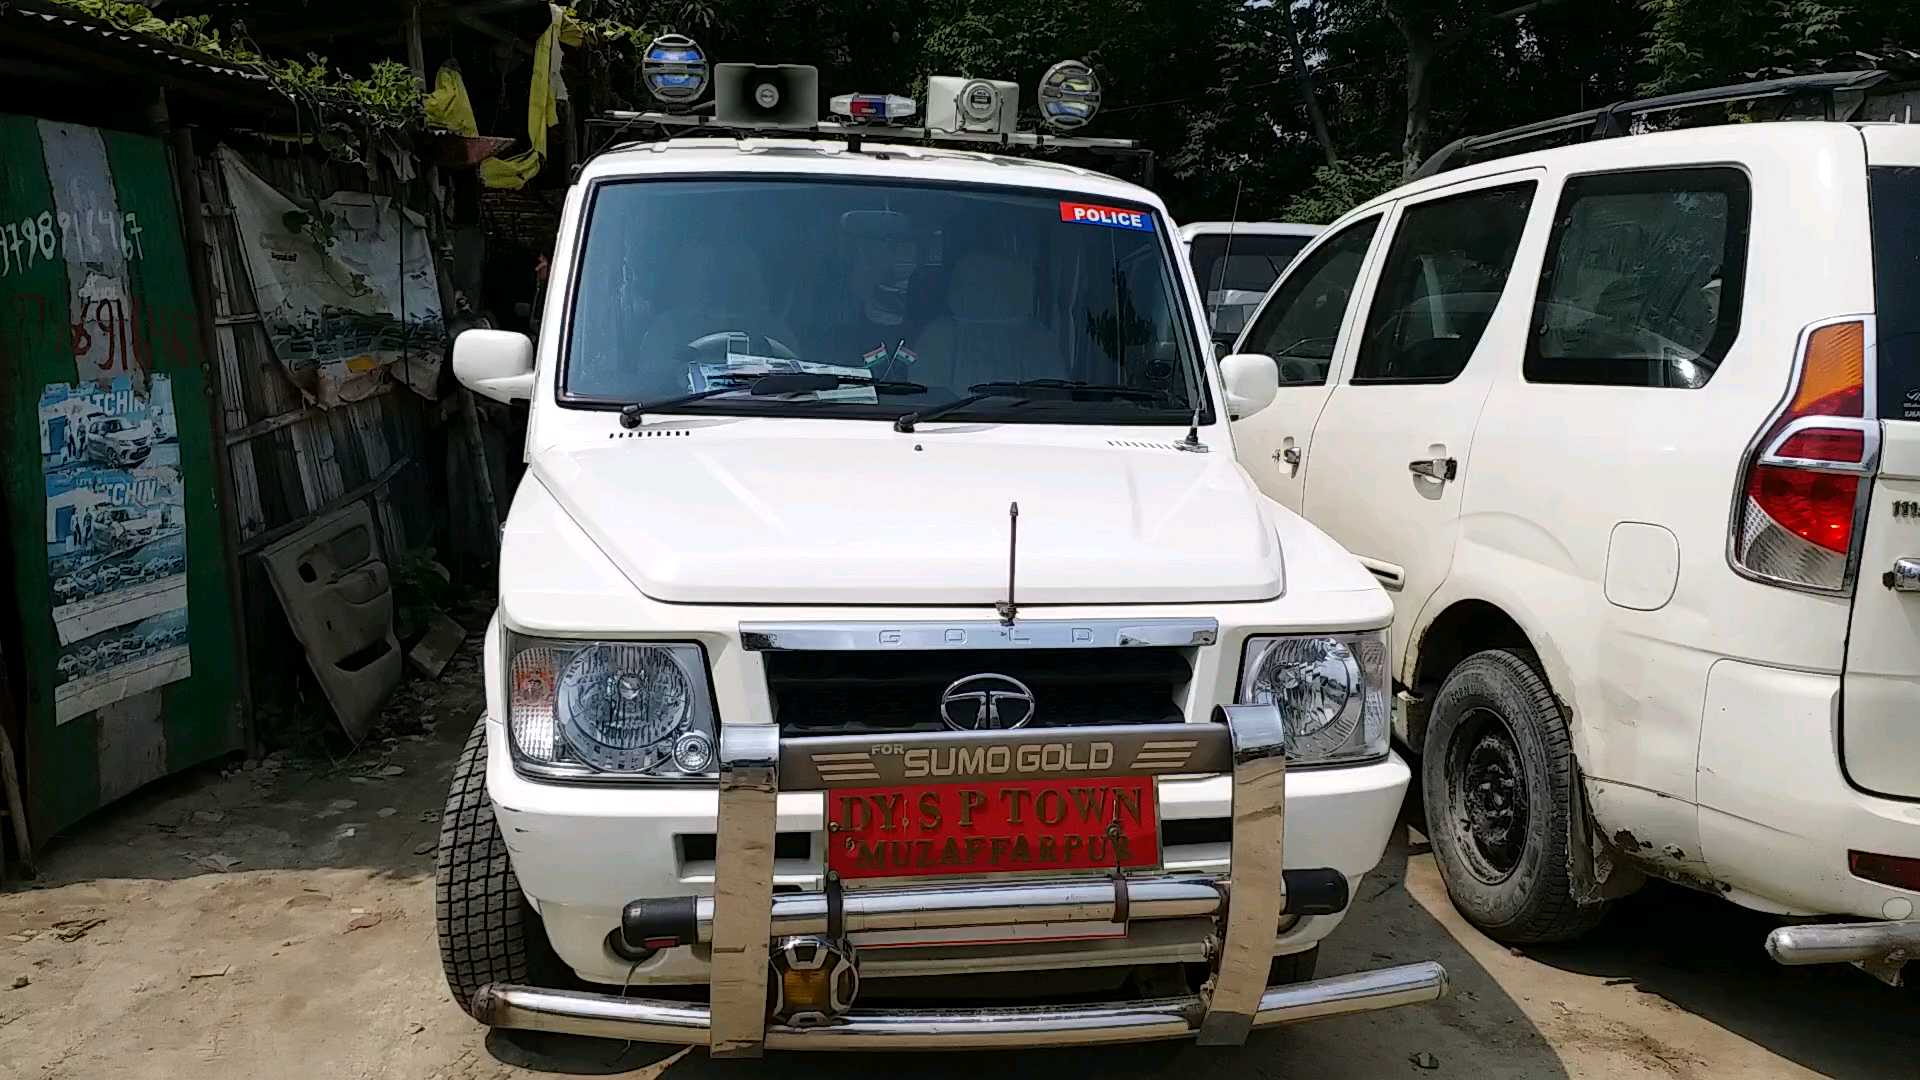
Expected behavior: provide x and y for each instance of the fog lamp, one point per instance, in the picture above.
(814, 980)
(674, 69)
(1069, 95)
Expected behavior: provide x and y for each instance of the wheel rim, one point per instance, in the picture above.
(1487, 796)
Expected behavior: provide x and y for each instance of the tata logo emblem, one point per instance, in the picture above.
(987, 702)
(1906, 508)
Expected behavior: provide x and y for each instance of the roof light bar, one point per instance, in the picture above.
(872, 107)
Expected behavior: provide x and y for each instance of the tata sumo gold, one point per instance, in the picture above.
(883, 613)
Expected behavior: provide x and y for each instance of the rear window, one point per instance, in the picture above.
(1643, 279)
(1235, 274)
(1895, 194)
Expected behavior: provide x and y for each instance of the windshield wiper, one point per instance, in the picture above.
(1020, 389)
(795, 382)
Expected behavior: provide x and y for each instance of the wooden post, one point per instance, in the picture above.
(193, 222)
(416, 52)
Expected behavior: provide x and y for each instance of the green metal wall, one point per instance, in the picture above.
(121, 186)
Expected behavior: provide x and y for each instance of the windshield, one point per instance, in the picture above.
(1233, 282)
(932, 294)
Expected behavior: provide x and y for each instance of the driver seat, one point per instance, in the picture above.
(987, 332)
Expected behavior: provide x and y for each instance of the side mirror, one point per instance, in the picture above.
(1252, 381)
(495, 364)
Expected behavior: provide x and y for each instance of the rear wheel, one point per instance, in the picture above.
(488, 931)
(1498, 775)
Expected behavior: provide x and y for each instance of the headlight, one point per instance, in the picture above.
(609, 709)
(1331, 690)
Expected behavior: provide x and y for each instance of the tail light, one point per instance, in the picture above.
(1805, 477)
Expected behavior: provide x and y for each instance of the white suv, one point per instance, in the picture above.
(1631, 432)
(884, 598)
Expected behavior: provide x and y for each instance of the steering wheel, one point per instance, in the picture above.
(717, 345)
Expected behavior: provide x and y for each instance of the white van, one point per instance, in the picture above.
(1236, 262)
(1630, 430)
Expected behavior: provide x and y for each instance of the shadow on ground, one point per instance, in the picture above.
(1706, 956)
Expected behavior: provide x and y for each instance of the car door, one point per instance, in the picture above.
(1391, 449)
(1880, 728)
(1300, 327)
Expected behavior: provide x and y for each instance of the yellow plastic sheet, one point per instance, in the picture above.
(543, 106)
(448, 107)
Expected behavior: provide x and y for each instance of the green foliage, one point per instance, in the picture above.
(1340, 187)
(342, 113)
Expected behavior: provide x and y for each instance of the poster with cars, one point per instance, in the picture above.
(346, 286)
(116, 540)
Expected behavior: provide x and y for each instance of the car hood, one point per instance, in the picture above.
(700, 517)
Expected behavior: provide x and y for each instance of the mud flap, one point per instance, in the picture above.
(1593, 872)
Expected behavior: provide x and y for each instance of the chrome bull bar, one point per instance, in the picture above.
(744, 917)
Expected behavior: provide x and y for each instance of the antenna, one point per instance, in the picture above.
(1192, 444)
(1007, 608)
(1226, 255)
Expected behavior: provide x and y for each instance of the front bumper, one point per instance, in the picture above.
(607, 1016)
(743, 918)
(582, 851)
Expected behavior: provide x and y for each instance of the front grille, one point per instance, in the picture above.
(857, 693)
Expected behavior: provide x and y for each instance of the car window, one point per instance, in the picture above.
(1300, 325)
(1438, 287)
(1235, 273)
(1895, 194)
(1643, 280)
(934, 292)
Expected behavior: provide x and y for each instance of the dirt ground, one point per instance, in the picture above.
(275, 919)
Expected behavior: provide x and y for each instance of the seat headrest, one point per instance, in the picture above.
(991, 288)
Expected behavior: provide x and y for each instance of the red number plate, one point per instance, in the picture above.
(921, 830)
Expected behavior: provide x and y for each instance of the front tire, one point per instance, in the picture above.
(488, 931)
(1498, 774)
(1293, 967)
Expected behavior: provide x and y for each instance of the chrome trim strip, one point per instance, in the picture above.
(979, 634)
(743, 880)
(1843, 943)
(1259, 831)
(643, 1020)
(1012, 903)
(821, 762)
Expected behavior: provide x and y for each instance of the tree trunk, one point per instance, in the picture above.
(1420, 55)
(1303, 80)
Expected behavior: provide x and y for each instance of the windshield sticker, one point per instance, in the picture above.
(1113, 217)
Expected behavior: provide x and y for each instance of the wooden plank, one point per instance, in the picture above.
(288, 419)
(437, 645)
(281, 532)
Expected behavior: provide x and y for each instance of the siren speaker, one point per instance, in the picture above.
(766, 95)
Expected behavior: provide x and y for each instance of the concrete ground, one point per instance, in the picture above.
(277, 920)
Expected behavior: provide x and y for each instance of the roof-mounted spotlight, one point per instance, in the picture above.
(1069, 95)
(674, 69)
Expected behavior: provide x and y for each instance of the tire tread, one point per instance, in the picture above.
(1551, 912)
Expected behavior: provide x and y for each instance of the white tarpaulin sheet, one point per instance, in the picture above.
(346, 315)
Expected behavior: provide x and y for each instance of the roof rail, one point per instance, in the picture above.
(854, 134)
(1613, 121)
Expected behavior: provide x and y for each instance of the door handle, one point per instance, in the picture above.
(1441, 469)
(1291, 456)
(1905, 576)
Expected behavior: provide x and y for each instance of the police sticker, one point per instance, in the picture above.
(1113, 217)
